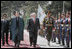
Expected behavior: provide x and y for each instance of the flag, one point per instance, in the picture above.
(40, 14)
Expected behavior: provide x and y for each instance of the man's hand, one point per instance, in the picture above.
(38, 30)
(43, 27)
(27, 30)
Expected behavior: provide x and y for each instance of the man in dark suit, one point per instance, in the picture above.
(33, 26)
(1, 25)
(4, 29)
(10, 29)
(17, 27)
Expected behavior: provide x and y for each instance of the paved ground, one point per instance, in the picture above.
(41, 43)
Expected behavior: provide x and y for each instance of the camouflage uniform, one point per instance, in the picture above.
(48, 24)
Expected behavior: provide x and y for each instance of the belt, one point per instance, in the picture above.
(67, 29)
(53, 30)
(67, 25)
(62, 28)
(48, 24)
(45, 27)
(62, 25)
(57, 28)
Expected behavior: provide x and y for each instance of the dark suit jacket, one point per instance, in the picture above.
(2, 27)
(7, 26)
(33, 27)
(14, 28)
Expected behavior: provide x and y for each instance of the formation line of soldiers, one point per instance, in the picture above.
(58, 28)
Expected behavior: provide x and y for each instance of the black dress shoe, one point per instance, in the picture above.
(54, 40)
(59, 42)
(2, 44)
(15, 45)
(18, 45)
(63, 44)
(34, 46)
(7, 43)
(49, 44)
(68, 46)
(30, 44)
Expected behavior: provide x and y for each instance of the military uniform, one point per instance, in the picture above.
(68, 32)
(66, 26)
(56, 28)
(48, 24)
(63, 32)
(61, 28)
(54, 32)
(58, 32)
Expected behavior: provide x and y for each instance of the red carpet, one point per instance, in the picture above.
(23, 44)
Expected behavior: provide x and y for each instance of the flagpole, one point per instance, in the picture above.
(63, 6)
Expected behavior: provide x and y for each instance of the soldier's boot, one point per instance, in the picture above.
(59, 42)
(68, 44)
(49, 43)
(54, 39)
(63, 42)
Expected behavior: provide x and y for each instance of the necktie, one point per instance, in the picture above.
(34, 21)
(17, 21)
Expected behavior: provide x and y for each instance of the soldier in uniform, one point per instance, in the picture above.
(68, 29)
(58, 29)
(54, 31)
(44, 26)
(63, 30)
(48, 24)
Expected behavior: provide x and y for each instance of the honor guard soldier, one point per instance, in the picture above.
(48, 24)
(63, 26)
(58, 28)
(68, 29)
(54, 33)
